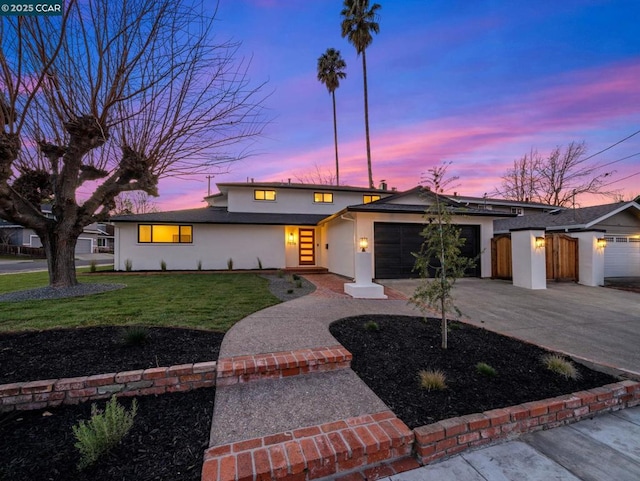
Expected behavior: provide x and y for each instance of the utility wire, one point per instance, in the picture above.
(613, 145)
(620, 180)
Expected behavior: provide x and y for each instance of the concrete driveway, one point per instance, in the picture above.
(593, 323)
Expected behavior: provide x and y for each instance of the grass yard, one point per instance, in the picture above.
(202, 301)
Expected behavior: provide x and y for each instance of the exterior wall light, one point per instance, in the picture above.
(539, 242)
(601, 242)
(364, 243)
(292, 239)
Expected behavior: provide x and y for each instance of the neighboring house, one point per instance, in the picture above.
(618, 224)
(515, 207)
(285, 225)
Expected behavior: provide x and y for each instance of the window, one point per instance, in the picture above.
(323, 197)
(516, 210)
(264, 195)
(165, 234)
(368, 198)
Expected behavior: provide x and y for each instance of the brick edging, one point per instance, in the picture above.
(275, 365)
(452, 436)
(340, 447)
(157, 380)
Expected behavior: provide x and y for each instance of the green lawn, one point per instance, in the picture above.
(204, 301)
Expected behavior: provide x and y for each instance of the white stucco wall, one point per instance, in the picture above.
(590, 258)
(528, 261)
(213, 245)
(340, 254)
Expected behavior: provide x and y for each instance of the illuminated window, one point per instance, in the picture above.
(323, 197)
(264, 195)
(165, 234)
(368, 198)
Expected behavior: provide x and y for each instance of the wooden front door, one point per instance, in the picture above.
(307, 247)
(562, 257)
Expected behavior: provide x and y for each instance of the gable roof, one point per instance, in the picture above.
(565, 219)
(465, 199)
(220, 215)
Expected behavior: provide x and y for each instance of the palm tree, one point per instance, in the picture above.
(330, 71)
(358, 22)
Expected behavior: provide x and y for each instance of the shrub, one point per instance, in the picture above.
(280, 273)
(296, 277)
(230, 264)
(128, 265)
(135, 336)
(486, 369)
(561, 366)
(289, 291)
(299, 283)
(432, 380)
(93, 265)
(371, 326)
(103, 431)
(163, 265)
(199, 265)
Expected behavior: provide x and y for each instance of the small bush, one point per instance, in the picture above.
(135, 336)
(289, 291)
(199, 265)
(230, 264)
(103, 431)
(371, 326)
(561, 366)
(93, 265)
(486, 370)
(280, 273)
(163, 265)
(433, 380)
(296, 277)
(128, 265)
(259, 263)
(454, 326)
(299, 283)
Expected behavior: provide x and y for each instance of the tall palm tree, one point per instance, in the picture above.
(330, 70)
(358, 23)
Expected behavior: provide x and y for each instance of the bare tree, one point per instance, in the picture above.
(137, 202)
(111, 97)
(556, 179)
(318, 177)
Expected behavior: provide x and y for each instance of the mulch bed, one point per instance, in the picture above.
(389, 359)
(51, 354)
(170, 432)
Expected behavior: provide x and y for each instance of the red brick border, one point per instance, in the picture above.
(451, 436)
(275, 365)
(158, 380)
(375, 444)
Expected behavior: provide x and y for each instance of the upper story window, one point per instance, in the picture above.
(323, 197)
(165, 234)
(368, 198)
(516, 210)
(264, 194)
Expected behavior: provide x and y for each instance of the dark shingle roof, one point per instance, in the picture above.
(220, 215)
(581, 218)
(381, 206)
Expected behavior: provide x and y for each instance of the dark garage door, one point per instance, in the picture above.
(394, 243)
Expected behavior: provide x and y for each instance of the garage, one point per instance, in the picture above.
(622, 256)
(395, 242)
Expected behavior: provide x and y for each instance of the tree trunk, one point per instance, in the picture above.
(335, 136)
(366, 118)
(60, 248)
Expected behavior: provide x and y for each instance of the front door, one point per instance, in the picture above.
(307, 247)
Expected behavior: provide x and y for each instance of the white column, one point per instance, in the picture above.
(590, 258)
(528, 260)
(364, 288)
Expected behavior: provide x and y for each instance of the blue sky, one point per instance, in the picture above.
(475, 83)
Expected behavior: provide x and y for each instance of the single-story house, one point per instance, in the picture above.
(289, 225)
(616, 228)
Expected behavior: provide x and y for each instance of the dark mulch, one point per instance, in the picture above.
(167, 442)
(51, 354)
(388, 360)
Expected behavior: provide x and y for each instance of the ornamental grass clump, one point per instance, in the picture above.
(561, 366)
(135, 336)
(371, 326)
(103, 431)
(486, 370)
(433, 380)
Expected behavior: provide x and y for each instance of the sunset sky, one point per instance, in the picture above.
(477, 83)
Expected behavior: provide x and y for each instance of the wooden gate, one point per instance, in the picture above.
(501, 257)
(561, 253)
